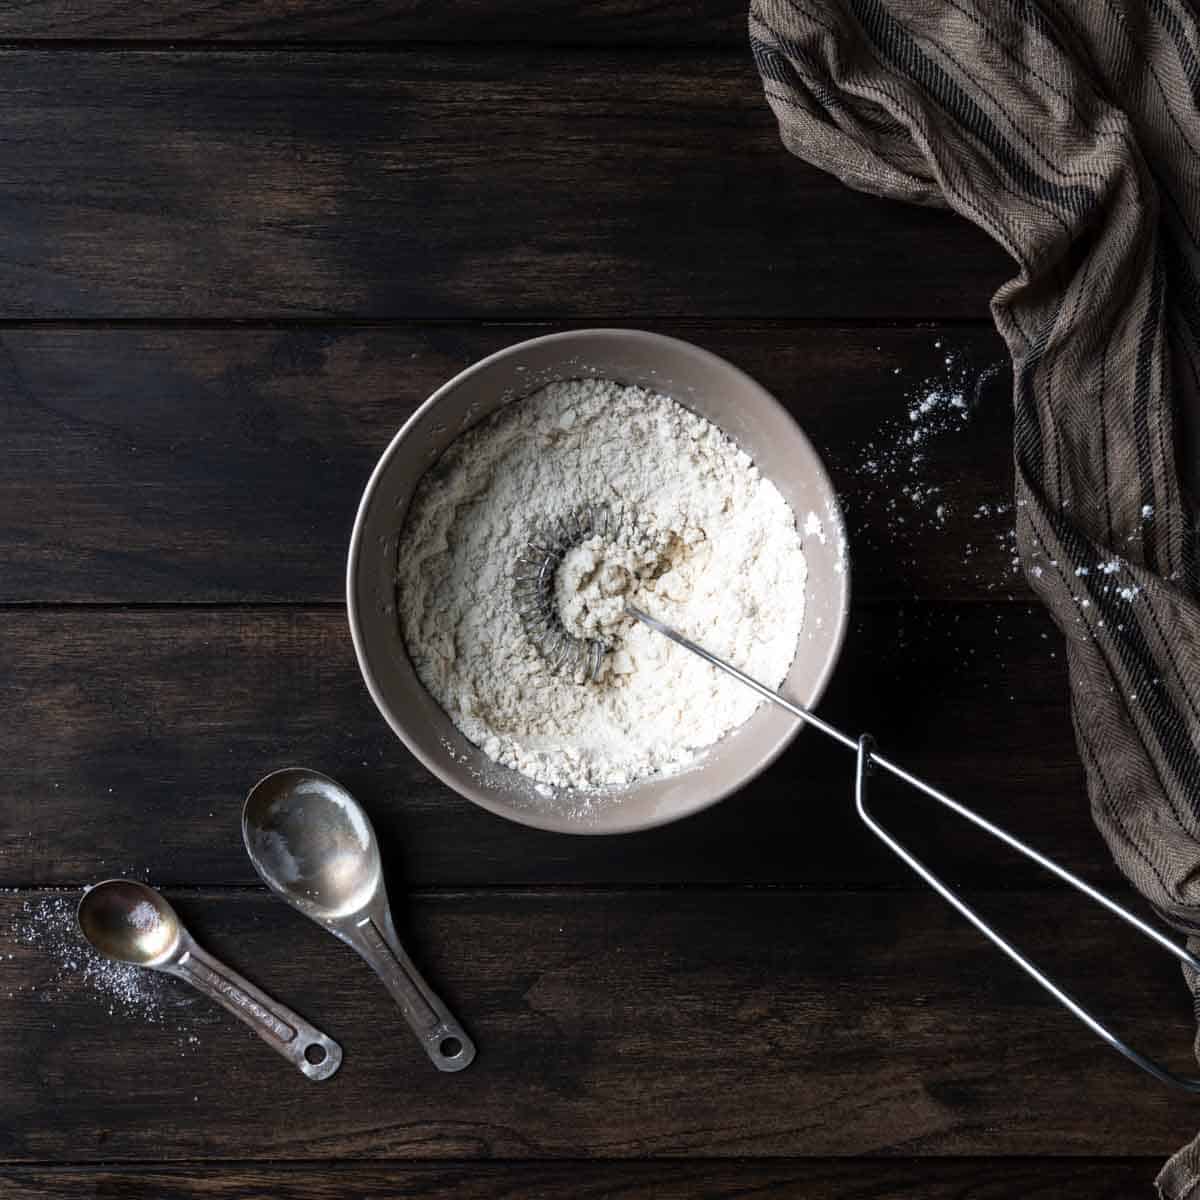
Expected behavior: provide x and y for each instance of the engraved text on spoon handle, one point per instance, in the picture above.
(303, 1045)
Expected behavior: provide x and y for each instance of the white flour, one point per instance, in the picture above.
(707, 544)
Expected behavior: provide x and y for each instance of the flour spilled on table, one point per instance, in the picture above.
(917, 502)
(901, 468)
(928, 491)
(702, 541)
(896, 468)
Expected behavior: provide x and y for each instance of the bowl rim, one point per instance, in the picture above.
(535, 818)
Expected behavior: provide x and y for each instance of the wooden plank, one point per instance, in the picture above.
(226, 465)
(610, 1026)
(171, 184)
(813, 1179)
(133, 737)
(591, 22)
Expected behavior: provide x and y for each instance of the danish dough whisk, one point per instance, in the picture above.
(534, 595)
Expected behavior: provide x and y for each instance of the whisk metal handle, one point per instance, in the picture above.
(866, 758)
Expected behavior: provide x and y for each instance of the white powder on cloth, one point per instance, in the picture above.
(705, 543)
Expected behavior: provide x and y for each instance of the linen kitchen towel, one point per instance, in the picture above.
(1069, 130)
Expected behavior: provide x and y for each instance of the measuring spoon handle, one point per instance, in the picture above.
(285, 1031)
(443, 1038)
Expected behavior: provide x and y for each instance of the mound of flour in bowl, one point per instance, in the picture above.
(705, 543)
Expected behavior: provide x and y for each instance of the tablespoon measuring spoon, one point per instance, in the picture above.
(132, 923)
(314, 847)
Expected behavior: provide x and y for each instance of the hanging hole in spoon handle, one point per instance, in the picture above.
(303, 1045)
(320, 1057)
(443, 1038)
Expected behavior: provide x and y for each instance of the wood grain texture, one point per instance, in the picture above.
(164, 466)
(835, 1034)
(132, 738)
(828, 1179)
(747, 1023)
(586, 22)
(508, 185)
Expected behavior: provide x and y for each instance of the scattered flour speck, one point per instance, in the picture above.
(899, 493)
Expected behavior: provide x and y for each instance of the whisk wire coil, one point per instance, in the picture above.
(533, 591)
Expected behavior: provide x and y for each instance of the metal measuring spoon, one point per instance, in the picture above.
(314, 847)
(132, 923)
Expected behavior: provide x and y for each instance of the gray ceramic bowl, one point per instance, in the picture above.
(696, 379)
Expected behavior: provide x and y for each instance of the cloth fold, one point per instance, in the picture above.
(1069, 130)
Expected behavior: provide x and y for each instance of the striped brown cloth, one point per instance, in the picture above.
(1069, 130)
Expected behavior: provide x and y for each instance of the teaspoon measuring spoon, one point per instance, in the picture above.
(314, 847)
(132, 923)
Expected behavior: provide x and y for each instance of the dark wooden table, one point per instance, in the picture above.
(242, 241)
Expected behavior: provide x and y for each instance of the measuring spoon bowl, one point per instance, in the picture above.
(130, 922)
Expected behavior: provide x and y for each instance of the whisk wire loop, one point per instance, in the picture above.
(533, 591)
